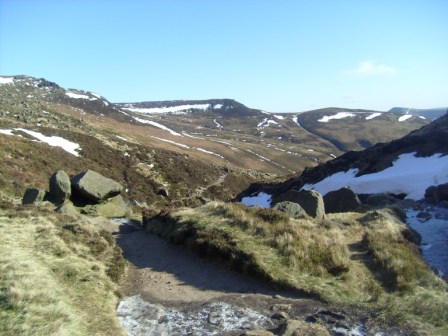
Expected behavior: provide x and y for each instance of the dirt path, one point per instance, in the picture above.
(165, 273)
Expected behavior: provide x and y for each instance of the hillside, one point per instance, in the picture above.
(222, 144)
(430, 114)
(419, 157)
(178, 164)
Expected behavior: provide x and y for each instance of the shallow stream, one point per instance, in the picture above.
(434, 232)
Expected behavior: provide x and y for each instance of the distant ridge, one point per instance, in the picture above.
(432, 113)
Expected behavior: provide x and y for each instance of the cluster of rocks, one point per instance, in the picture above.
(437, 195)
(139, 317)
(87, 193)
(299, 204)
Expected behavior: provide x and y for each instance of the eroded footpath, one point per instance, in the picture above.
(169, 291)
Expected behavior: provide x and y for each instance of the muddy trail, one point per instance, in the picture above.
(167, 290)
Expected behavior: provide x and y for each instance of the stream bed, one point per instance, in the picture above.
(432, 224)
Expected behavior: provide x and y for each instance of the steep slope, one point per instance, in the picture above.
(408, 165)
(349, 129)
(221, 131)
(431, 114)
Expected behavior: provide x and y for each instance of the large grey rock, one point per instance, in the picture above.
(33, 196)
(342, 200)
(380, 199)
(436, 194)
(292, 209)
(310, 200)
(60, 187)
(95, 187)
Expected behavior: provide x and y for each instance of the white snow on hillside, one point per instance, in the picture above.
(79, 96)
(409, 174)
(155, 124)
(218, 124)
(6, 132)
(405, 117)
(339, 115)
(6, 80)
(261, 199)
(266, 122)
(171, 109)
(373, 115)
(209, 152)
(68, 146)
(218, 106)
(296, 120)
(171, 142)
(279, 117)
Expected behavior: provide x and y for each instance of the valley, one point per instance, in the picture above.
(186, 252)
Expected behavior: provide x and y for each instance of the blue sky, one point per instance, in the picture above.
(278, 55)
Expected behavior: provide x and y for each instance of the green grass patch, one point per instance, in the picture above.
(54, 278)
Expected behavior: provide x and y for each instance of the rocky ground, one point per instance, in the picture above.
(169, 291)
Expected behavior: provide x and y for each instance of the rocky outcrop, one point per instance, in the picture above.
(436, 194)
(292, 209)
(380, 199)
(310, 200)
(32, 196)
(60, 187)
(342, 200)
(94, 195)
(95, 187)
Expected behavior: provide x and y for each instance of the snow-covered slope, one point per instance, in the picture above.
(405, 166)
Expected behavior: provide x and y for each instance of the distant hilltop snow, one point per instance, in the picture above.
(432, 113)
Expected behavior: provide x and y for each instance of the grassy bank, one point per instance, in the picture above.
(56, 275)
(354, 260)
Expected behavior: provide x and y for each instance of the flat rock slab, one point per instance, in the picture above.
(95, 187)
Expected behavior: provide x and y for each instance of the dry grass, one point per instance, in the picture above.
(51, 283)
(349, 259)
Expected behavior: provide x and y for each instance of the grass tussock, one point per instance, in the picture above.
(54, 277)
(348, 259)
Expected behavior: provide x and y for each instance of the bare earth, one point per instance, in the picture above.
(165, 273)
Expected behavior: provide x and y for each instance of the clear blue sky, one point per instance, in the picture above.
(277, 55)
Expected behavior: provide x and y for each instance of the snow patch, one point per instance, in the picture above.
(209, 152)
(191, 136)
(6, 132)
(296, 120)
(6, 80)
(55, 141)
(260, 199)
(171, 109)
(340, 115)
(79, 96)
(217, 106)
(171, 142)
(121, 138)
(218, 124)
(279, 117)
(405, 117)
(265, 123)
(373, 115)
(155, 124)
(409, 174)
